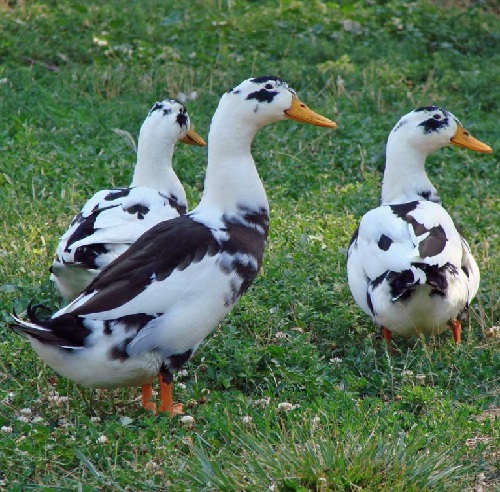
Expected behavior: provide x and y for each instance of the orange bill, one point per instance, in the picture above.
(300, 112)
(192, 138)
(463, 138)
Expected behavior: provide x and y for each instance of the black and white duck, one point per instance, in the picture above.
(148, 311)
(113, 219)
(408, 267)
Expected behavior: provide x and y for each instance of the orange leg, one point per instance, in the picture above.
(456, 328)
(166, 400)
(147, 395)
(387, 336)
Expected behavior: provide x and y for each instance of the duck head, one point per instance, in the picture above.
(168, 121)
(431, 128)
(266, 99)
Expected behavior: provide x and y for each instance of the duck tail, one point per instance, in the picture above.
(67, 330)
(35, 326)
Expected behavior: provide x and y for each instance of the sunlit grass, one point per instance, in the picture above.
(294, 391)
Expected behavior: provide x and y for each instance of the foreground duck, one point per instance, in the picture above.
(148, 311)
(113, 219)
(408, 267)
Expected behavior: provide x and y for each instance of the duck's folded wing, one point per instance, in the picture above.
(115, 216)
(432, 231)
(169, 246)
(471, 270)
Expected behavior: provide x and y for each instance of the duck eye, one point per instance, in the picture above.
(437, 116)
(268, 86)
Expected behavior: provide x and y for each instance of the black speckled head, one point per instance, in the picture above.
(262, 98)
(167, 120)
(261, 89)
(428, 128)
(258, 101)
(171, 106)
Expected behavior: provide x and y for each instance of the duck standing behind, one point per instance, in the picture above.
(408, 267)
(113, 219)
(148, 311)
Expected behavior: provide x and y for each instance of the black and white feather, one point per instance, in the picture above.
(149, 310)
(408, 267)
(113, 219)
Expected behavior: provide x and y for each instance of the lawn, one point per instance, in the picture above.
(295, 390)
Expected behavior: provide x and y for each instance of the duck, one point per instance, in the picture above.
(147, 312)
(408, 266)
(113, 219)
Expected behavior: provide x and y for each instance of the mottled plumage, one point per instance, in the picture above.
(408, 267)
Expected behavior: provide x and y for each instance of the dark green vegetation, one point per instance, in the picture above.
(426, 418)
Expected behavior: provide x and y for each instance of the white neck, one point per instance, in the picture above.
(232, 180)
(405, 179)
(154, 167)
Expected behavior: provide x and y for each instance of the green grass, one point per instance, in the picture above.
(426, 418)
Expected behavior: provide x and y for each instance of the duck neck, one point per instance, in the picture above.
(405, 179)
(154, 166)
(232, 182)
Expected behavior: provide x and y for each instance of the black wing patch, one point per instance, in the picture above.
(418, 228)
(403, 209)
(369, 302)
(248, 240)
(434, 243)
(156, 254)
(77, 219)
(86, 227)
(376, 282)
(140, 210)
(174, 203)
(372, 285)
(436, 240)
(86, 256)
(384, 243)
(402, 284)
(119, 352)
(119, 193)
(131, 322)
